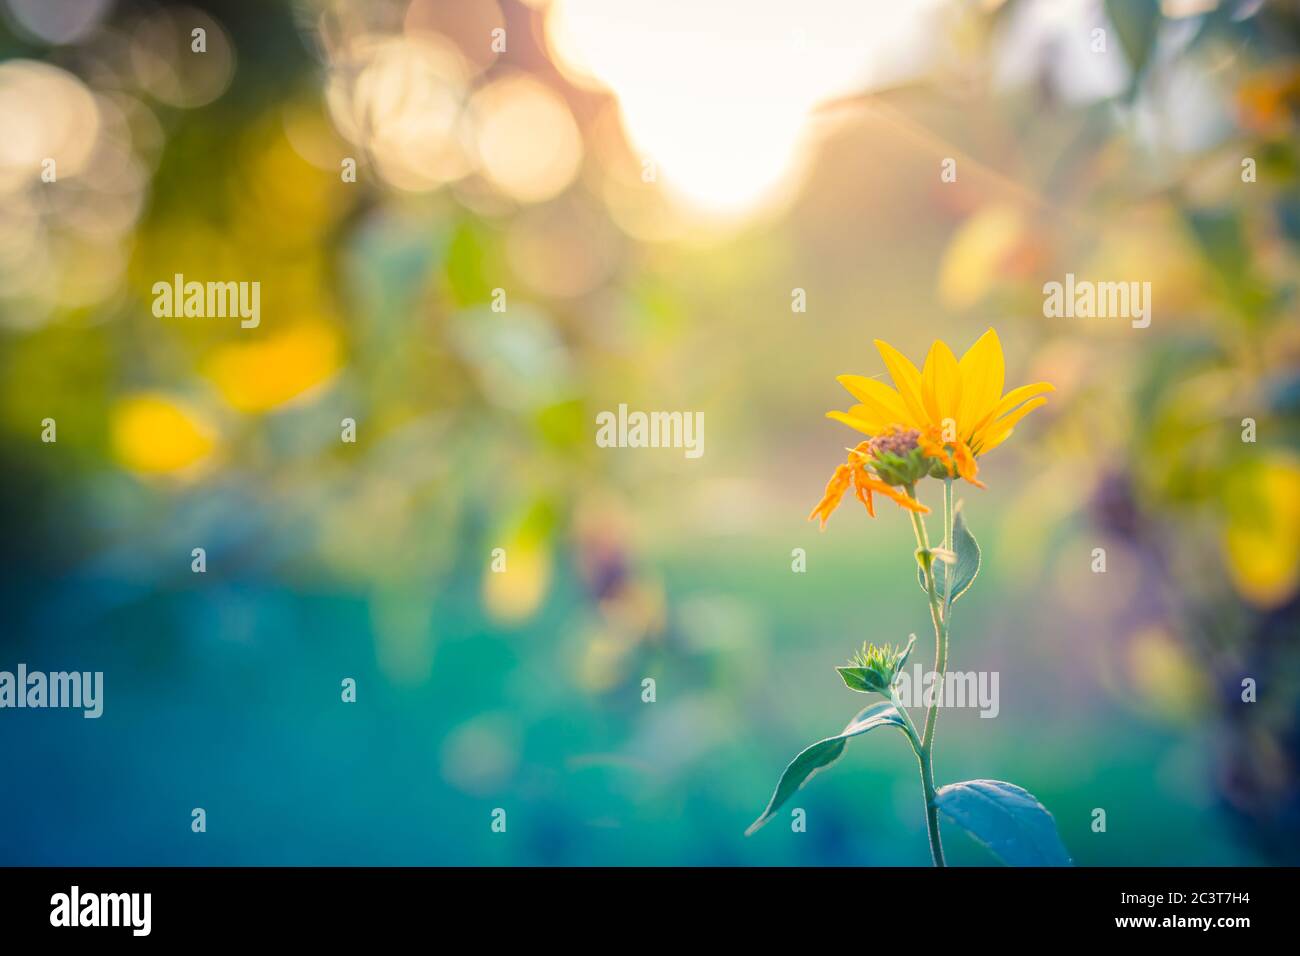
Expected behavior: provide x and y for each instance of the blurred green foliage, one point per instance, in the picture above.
(523, 689)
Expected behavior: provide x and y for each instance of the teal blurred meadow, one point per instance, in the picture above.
(556, 207)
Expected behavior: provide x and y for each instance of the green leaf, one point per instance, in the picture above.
(963, 572)
(1137, 22)
(824, 753)
(1007, 819)
(1221, 237)
(862, 679)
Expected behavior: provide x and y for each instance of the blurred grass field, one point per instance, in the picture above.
(790, 150)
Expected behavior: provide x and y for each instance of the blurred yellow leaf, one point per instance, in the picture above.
(1261, 538)
(268, 372)
(976, 253)
(519, 574)
(153, 434)
(1163, 674)
(514, 593)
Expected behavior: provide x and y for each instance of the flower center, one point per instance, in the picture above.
(894, 441)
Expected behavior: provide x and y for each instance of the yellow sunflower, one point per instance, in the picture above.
(936, 421)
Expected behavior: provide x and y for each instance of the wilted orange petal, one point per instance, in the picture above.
(898, 497)
(835, 489)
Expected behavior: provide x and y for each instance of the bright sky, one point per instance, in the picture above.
(717, 92)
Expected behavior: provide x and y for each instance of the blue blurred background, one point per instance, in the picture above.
(647, 184)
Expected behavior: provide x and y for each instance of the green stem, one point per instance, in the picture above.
(927, 779)
(947, 515)
(908, 727)
(924, 753)
(949, 543)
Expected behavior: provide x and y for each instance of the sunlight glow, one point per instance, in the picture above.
(721, 108)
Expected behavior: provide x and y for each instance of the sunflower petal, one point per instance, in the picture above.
(908, 380)
(1008, 402)
(941, 383)
(875, 395)
(859, 417)
(983, 372)
(1001, 430)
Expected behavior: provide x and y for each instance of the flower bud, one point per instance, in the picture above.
(873, 669)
